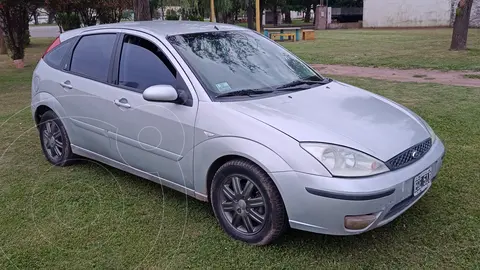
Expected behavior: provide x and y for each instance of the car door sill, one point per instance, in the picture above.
(89, 154)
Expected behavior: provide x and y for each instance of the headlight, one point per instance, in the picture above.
(343, 161)
(430, 131)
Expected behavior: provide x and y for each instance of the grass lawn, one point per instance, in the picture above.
(423, 48)
(89, 215)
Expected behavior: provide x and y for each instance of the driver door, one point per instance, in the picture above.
(154, 137)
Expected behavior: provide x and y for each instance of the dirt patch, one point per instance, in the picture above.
(409, 75)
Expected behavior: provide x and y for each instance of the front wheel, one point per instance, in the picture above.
(247, 204)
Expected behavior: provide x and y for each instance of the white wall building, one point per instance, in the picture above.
(414, 13)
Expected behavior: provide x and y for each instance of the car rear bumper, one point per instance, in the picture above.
(320, 204)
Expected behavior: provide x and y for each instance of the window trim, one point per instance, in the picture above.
(116, 65)
(68, 64)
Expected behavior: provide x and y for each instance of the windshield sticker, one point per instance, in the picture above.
(222, 87)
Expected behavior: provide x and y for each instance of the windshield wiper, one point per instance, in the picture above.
(294, 85)
(244, 92)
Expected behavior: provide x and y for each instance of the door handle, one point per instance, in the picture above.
(66, 84)
(122, 103)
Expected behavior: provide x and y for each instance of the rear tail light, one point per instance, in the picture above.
(54, 44)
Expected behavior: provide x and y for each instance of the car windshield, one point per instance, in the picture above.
(238, 61)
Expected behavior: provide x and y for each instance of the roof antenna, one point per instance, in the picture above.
(216, 27)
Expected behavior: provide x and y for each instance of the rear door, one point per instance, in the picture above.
(87, 91)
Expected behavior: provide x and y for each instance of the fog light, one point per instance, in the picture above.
(359, 222)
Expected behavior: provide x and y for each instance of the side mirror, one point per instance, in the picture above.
(164, 93)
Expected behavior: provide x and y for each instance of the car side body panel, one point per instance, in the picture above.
(48, 92)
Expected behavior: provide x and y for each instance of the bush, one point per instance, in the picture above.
(195, 17)
(68, 21)
(127, 15)
(171, 15)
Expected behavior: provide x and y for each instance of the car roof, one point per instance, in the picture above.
(159, 28)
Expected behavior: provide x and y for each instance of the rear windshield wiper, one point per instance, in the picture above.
(294, 85)
(244, 92)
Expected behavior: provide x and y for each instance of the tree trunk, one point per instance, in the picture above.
(307, 14)
(460, 27)
(15, 18)
(141, 10)
(217, 15)
(51, 17)
(288, 18)
(3, 46)
(275, 15)
(250, 16)
(35, 17)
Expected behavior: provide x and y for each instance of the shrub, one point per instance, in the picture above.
(195, 17)
(171, 15)
(68, 21)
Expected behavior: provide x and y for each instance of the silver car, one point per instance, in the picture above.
(227, 116)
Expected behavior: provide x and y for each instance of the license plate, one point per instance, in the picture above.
(422, 181)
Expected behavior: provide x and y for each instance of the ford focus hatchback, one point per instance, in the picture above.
(227, 116)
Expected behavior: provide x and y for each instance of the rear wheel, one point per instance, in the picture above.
(54, 140)
(247, 204)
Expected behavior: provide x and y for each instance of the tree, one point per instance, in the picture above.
(65, 11)
(14, 17)
(141, 10)
(286, 11)
(112, 11)
(273, 5)
(87, 12)
(154, 5)
(250, 12)
(460, 26)
(3, 46)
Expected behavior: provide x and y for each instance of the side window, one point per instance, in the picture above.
(92, 56)
(55, 57)
(143, 64)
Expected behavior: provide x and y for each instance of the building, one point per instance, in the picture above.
(414, 13)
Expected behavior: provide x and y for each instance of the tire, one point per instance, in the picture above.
(57, 150)
(253, 213)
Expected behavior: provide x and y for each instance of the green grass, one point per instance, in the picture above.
(423, 48)
(472, 76)
(89, 215)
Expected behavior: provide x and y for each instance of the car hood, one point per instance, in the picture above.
(340, 114)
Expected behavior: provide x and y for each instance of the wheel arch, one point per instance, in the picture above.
(42, 102)
(39, 112)
(212, 154)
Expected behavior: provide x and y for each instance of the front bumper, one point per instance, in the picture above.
(319, 204)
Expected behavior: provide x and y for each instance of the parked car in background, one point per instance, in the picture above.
(228, 116)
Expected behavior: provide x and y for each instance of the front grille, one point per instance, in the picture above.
(408, 157)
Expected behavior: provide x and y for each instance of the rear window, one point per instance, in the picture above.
(55, 57)
(92, 55)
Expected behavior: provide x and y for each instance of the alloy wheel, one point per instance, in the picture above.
(53, 140)
(243, 204)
